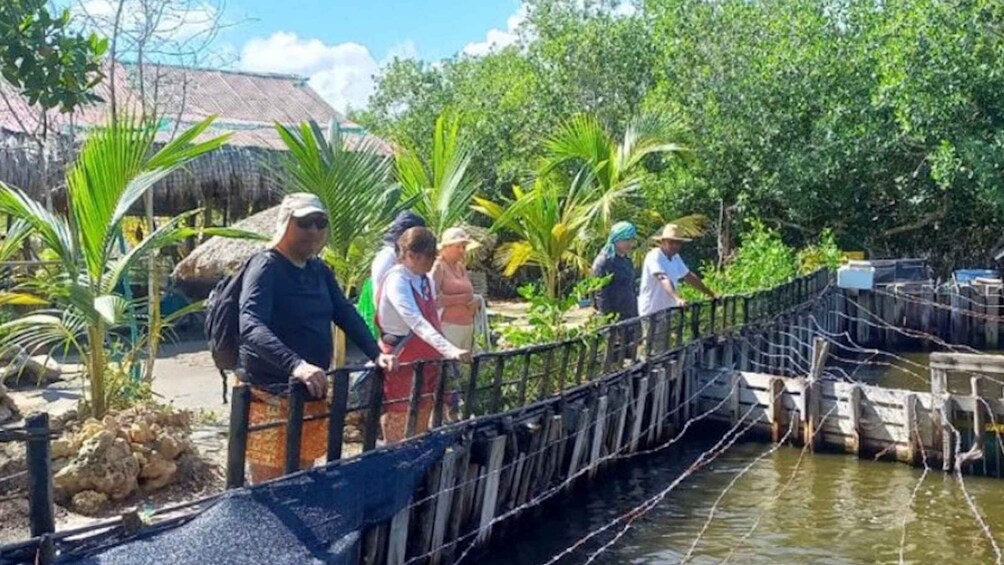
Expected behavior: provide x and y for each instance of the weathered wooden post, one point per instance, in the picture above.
(854, 397)
(820, 349)
(941, 415)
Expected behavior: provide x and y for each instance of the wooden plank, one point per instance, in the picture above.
(658, 392)
(854, 405)
(595, 452)
(582, 426)
(735, 391)
(624, 402)
(459, 512)
(957, 311)
(639, 413)
(860, 315)
(991, 323)
(397, 546)
(776, 412)
(939, 381)
(444, 503)
(663, 402)
(496, 450)
(979, 414)
(556, 449)
(744, 355)
(927, 310)
(967, 362)
(910, 429)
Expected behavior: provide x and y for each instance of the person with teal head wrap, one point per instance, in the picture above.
(619, 297)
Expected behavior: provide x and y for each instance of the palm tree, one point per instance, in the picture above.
(116, 167)
(548, 224)
(355, 188)
(440, 190)
(608, 173)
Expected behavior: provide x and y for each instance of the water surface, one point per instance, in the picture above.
(832, 509)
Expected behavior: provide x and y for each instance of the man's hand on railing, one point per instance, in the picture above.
(313, 377)
(387, 361)
(464, 356)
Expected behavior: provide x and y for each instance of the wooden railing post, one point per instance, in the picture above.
(338, 410)
(294, 424)
(374, 409)
(39, 462)
(417, 384)
(237, 445)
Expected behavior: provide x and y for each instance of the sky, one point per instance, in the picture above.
(340, 44)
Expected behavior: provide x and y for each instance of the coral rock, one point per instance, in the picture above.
(89, 502)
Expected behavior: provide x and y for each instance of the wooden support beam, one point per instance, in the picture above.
(596, 452)
(820, 349)
(854, 397)
(444, 503)
(624, 400)
(991, 323)
(910, 423)
(776, 408)
(979, 417)
(939, 442)
(639, 413)
(397, 544)
(581, 431)
(658, 402)
(495, 452)
(968, 362)
(735, 391)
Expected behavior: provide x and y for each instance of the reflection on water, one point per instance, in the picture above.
(836, 509)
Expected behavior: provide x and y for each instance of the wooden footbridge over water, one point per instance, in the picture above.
(533, 424)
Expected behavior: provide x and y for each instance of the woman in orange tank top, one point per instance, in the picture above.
(454, 291)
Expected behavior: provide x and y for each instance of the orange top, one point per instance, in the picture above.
(455, 293)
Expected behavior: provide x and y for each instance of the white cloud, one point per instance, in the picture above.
(343, 74)
(497, 39)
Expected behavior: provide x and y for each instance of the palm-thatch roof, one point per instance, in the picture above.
(219, 256)
(237, 179)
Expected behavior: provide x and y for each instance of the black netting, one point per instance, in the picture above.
(313, 517)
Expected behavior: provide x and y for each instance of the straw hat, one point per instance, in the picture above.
(453, 236)
(295, 205)
(670, 232)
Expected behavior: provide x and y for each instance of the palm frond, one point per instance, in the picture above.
(354, 186)
(442, 188)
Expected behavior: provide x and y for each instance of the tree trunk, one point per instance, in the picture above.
(96, 369)
(152, 295)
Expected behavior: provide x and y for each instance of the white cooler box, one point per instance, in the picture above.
(856, 275)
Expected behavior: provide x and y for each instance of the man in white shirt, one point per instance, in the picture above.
(662, 272)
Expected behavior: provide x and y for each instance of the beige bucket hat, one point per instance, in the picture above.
(671, 232)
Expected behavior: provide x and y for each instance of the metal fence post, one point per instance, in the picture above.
(39, 460)
(237, 444)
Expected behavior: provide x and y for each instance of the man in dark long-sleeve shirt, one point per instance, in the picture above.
(288, 302)
(285, 319)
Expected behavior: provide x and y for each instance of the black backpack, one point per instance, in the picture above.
(223, 323)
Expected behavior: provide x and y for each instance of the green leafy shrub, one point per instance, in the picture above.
(548, 317)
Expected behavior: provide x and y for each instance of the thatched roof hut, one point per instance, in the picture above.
(218, 256)
(236, 180)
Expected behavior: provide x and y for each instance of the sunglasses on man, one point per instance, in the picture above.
(316, 221)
